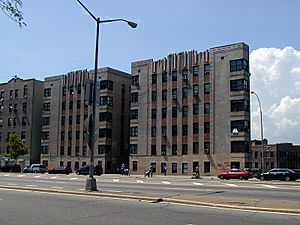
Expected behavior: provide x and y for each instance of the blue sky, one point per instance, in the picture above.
(60, 37)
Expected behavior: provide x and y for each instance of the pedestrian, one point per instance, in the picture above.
(197, 172)
(150, 171)
(122, 169)
(165, 170)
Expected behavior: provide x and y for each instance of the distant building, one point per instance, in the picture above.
(65, 120)
(280, 155)
(20, 113)
(191, 110)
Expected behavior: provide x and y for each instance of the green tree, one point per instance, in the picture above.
(12, 9)
(16, 147)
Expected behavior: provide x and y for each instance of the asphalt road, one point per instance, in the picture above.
(164, 186)
(27, 208)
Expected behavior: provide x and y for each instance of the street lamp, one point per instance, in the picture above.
(91, 184)
(261, 132)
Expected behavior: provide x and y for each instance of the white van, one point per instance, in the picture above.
(35, 168)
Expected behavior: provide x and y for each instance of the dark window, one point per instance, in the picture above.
(135, 97)
(206, 69)
(79, 88)
(23, 135)
(164, 94)
(154, 96)
(174, 149)
(105, 100)
(185, 92)
(195, 89)
(134, 113)
(206, 167)
(69, 150)
(196, 70)
(63, 106)
(206, 147)
(105, 116)
(62, 135)
(64, 91)
(104, 149)
(164, 77)
(239, 146)
(185, 168)
(153, 113)
(239, 85)
(164, 113)
(46, 121)
(185, 130)
(135, 80)
(77, 151)
(154, 78)
(153, 149)
(106, 84)
(206, 127)
(70, 134)
(77, 134)
(174, 93)
(24, 119)
(164, 131)
(47, 92)
(206, 88)
(133, 149)
(185, 111)
(239, 64)
(134, 165)
(185, 74)
(133, 131)
(77, 119)
(174, 130)
(63, 120)
(196, 109)
(174, 75)
(153, 131)
(45, 135)
(174, 167)
(46, 106)
(71, 89)
(195, 128)
(206, 108)
(184, 149)
(240, 105)
(174, 112)
(16, 93)
(235, 165)
(71, 105)
(240, 125)
(70, 120)
(62, 151)
(25, 91)
(78, 104)
(195, 147)
(45, 149)
(105, 133)
(163, 150)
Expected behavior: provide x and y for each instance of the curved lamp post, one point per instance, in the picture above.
(91, 184)
(261, 132)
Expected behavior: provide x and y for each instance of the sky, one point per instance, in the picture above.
(60, 37)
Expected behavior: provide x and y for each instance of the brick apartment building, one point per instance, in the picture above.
(191, 109)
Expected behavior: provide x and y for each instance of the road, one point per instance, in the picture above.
(27, 208)
(275, 194)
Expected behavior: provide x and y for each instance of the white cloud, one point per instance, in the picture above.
(275, 77)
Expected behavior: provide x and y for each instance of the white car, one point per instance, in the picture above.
(35, 168)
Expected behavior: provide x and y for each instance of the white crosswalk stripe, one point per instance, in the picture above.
(269, 186)
(73, 178)
(116, 180)
(140, 181)
(196, 183)
(37, 176)
(20, 175)
(53, 177)
(231, 185)
(166, 182)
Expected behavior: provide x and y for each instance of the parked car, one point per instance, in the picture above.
(11, 168)
(279, 174)
(60, 170)
(85, 170)
(234, 174)
(252, 171)
(35, 168)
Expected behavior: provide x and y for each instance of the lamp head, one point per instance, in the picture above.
(252, 92)
(132, 24)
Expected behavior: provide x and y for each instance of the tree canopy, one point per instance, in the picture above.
(16, 147)
(12, 9)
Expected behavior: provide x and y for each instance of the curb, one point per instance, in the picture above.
(154, 199)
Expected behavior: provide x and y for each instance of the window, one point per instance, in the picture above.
(153, 149)
(15, 107)
(135, 80)
(11, 94)
(23, 135)
(185, 130)
(154, 78)
(63, 120)
(64, 91)
(206, 108)
(77, 134)
(185, 74)
(62, 151)
(133, 131)
(206, 88)
(47, 92)
(164, 131)
(69, 150)
(196, 70)
(185, 111)
(185, 92)
(10, 108)
(195, 128)
(239, 85)
(46, 106)
(185, 168)
(134, 97)
(24, 119)
(196, 89)
(84, 151)
(235, 165)
(70, 135)
(45, 135)
(196, 109)
(78, 104)
(206, 167)
(154, 96)
(77, 151)
(78, 88)
(9, 121)
(174, 75)
(106, 84)
(104, 149)
(163, 150)
(45, 149)
(63, 106)
(62, 135)
(164, 113)
(71, 89)
(134, 165)
(153, 113)
(239, 146)
(184, 149)
(105, 133)
(153, 131)
(25, 91)
(15, 121)
(164, 77)
(174, 93)
(174, 112)
(174, 149)
(105, 116)
(174, 130)
(239, 64)
(134, 113)
(206, 147)
(164, 94)
(24, 108)
(16, 93)
(46, 121)
(106, 100)
(70, 120)
(240, 125)
(240, 105)
(133, 149)
(206, 127)
(195, 147)
(206, 69)
(174, 167)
